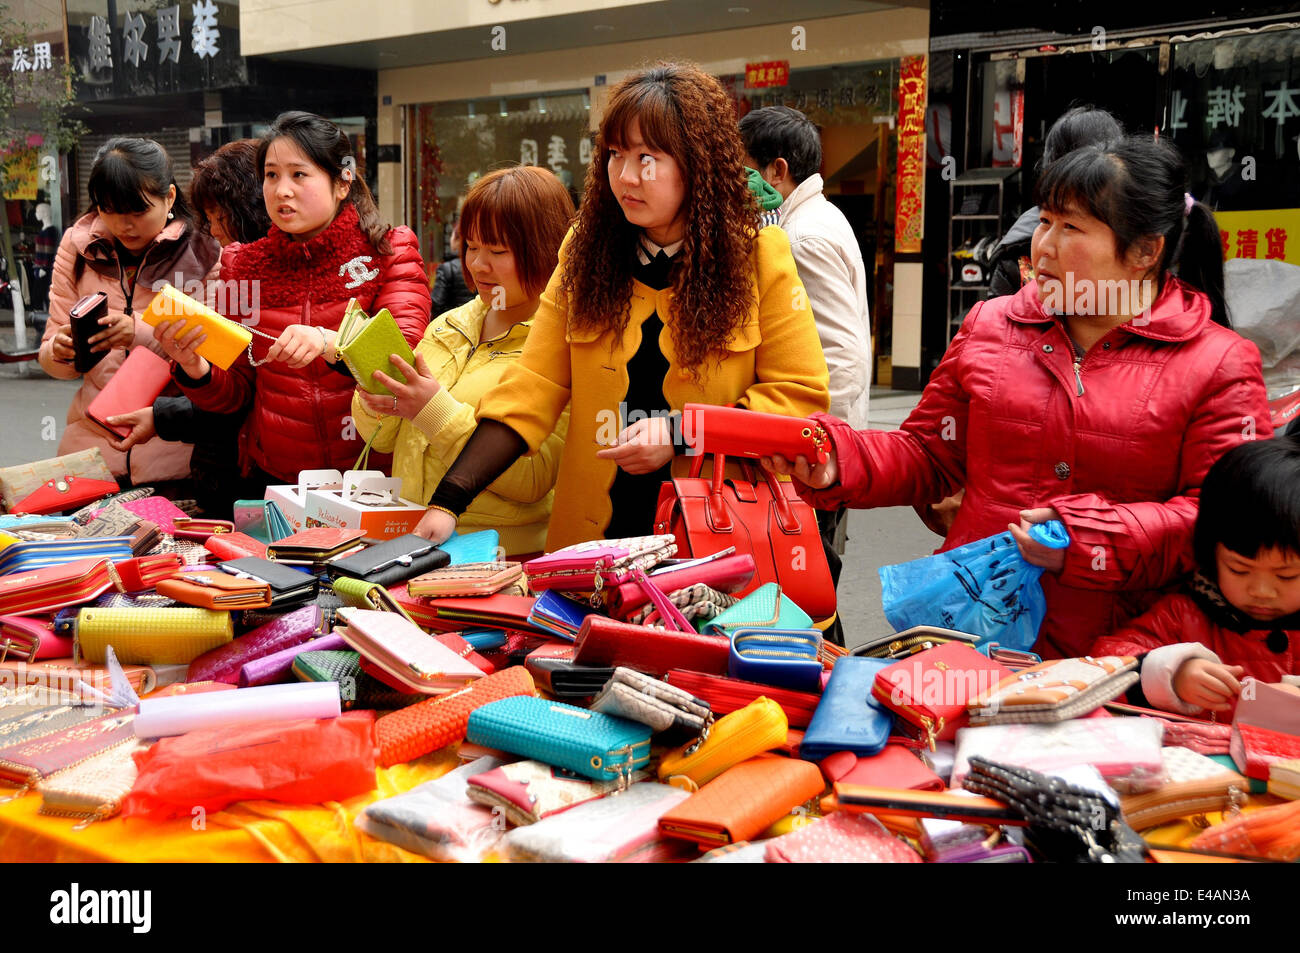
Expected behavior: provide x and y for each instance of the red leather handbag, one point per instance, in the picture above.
(758, 515)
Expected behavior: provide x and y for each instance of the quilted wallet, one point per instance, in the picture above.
(1055, 690)
(596, 746)
(151, 636)
(661, 706)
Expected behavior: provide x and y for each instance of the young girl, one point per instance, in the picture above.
(326, 247)
(1100, 394)
(513, 222)
(665, 294)
(139, 230)
(1240, 614)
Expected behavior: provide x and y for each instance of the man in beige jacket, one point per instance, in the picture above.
(785, 147)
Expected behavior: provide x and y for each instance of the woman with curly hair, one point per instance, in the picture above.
(665, 294)
(226, 194)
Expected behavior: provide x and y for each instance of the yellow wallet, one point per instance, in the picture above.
(758, 727)
(226, 338)
(150, 636)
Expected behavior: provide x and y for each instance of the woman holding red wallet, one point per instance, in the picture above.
(1098, 395)
(665, 294)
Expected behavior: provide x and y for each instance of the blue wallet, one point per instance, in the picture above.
(849, 718)
(594, 745)
(559, 615)
(480, 547)
(787, 658)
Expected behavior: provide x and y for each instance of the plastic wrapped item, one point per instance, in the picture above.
(1272, 832)
(985, 588)
(307, 761)
(437, 819)
(161, 717)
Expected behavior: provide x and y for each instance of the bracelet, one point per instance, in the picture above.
(325, 344)
(443, 509)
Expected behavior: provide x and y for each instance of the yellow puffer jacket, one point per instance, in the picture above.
(518, 504)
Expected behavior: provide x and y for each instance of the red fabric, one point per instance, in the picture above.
(298, 416)
(1177, 618)
(1163, 400)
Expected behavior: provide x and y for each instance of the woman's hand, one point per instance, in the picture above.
(1207, 684)
(142, 428)
(408, 399)
(436, 525)
(300, 344)
(643, 447)
(814, 477)
(119, 331)
(183, 348)
(62, 348)
(1034, 552)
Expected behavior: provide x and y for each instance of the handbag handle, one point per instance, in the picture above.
(669, 613)
(718, 515)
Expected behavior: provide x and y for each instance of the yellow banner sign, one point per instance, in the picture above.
(1272, 233)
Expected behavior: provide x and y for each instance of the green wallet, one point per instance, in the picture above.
(356, 688)
(365, 343)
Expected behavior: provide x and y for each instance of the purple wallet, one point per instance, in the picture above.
(979, 854)
(223, 663)
(279, 667)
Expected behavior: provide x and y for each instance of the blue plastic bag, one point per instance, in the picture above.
(985, 588)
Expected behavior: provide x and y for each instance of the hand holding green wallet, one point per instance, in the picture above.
(365, 343)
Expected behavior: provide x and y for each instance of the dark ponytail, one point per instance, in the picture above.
(1138, 187)
(1200, 260)
(326, 146)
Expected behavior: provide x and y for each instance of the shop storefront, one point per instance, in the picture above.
(1227, 93)
(175, 73)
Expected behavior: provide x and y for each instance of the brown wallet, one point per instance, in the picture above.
(213, 589)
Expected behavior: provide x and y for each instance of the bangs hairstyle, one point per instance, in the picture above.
(1250, 502)
(327, 147)
(526, 209)
(685, 113)
(228, 180)
(128, 172)
(1137, 186)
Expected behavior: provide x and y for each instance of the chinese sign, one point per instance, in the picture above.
(1008, 127)
(171, 48)
(1273, 233)
(39, 59)
(909, 206)
(773, 73)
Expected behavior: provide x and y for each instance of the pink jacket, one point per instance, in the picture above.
(87, 262)
(1121, 462)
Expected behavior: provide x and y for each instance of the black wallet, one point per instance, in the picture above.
(392, 561)
(83, 323)
(289, 587)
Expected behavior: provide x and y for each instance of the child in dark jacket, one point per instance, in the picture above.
(1240, 614)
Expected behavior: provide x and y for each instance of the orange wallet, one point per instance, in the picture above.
(213, 589)
(226, 339)
(744, 801)
(437, 722)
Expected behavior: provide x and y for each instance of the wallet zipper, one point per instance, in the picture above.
(777, 653)
(1194, 800)
(723, 748)
(926, 723)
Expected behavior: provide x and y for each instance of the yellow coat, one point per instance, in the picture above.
(518, 504)
(774, 364)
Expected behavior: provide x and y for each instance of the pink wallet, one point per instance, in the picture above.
(405, 656)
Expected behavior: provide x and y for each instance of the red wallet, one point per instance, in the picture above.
(134, 386)
(726, 695)
(895, 767)
(65, 493)
(1254, 748)
(234, 546)
(497, 611)
(737, 432)
(605, 642)
(145, 572)
(931, 690)
(44, 590)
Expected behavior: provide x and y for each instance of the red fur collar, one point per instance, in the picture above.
(289, 271)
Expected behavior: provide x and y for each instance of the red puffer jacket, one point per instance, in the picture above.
(301, 419)
(1177, 628)
(1121, 462)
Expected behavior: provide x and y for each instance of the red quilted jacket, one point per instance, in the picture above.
(1122, 462)
(301, 419)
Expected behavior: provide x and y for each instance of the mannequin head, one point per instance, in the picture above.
(44, 214)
